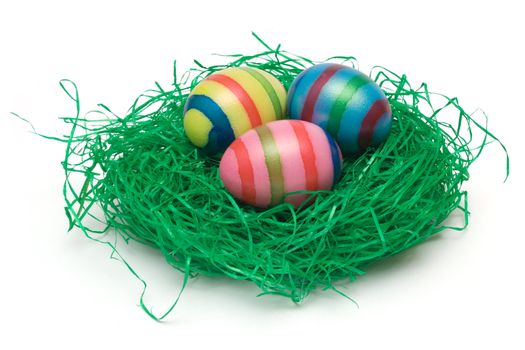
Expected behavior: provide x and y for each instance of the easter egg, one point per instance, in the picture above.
(228, 103)
(266, 163)
(344, 102)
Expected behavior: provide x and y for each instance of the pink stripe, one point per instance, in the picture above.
(323, 156)
(260, 172)
(229, 172)
(292, 165)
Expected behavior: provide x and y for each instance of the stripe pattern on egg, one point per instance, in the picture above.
(277, 158)
(344, 102)
(228, 103)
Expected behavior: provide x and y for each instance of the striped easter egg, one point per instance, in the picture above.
(228, 103)
(272, 160)
(344, 102)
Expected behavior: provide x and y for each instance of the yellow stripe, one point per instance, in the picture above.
(228, 102)
(256, 91)
(279, 89)
(197, 127)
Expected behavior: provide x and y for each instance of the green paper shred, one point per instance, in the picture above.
(139, 178)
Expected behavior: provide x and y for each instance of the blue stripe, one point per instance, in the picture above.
(382, 128)
(356, 110)
(291, 93)
(221, 134)
(335, 159)
(329, 94)
(300, 88)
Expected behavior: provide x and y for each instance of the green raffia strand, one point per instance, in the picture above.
(142, 179)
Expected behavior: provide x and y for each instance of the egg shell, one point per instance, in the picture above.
(266, 163)
(344, 102)
(228, 103)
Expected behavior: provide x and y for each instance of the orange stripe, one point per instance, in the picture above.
(243, 97)
(245, 171)
(307, 154)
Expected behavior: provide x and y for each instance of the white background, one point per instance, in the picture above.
(60, 290)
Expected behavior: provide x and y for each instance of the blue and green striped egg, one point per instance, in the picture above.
(344, 102)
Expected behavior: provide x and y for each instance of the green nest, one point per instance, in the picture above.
(141, 177)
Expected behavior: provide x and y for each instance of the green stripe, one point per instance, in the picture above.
(269, 90)
(273, 163)
(344, 98)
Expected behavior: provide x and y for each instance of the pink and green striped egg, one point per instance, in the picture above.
(264, 165)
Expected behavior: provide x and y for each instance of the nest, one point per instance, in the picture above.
(141, 177)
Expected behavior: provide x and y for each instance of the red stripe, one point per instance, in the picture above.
(315, 91)
(366, 132)
(245, 171)
(307, 154)
(241, 94)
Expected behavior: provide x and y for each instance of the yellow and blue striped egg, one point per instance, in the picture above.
(230, 102)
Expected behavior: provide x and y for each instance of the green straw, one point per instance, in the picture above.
(140, 177)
